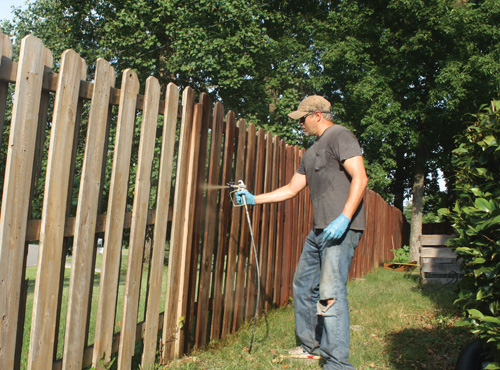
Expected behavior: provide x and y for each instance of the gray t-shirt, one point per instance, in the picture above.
(328, 181)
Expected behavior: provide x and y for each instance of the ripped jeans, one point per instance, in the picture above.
(321, 275)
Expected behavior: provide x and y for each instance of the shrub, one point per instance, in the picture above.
(476, 219)
(401, 255)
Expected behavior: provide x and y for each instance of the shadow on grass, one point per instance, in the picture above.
(436, 342)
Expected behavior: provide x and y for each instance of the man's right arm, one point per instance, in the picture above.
(290, 190)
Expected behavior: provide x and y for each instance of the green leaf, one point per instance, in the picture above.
(475, 314)
(482, 204)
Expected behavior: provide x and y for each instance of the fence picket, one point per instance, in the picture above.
(211, 220)
(197, 219)
(174, 321)
(160, 230)
(257, 188)
(33, 58)
(138, 227)
(224, 218)
(73, 70)
(81, 272)
(271, 245)
(110, 273)
(245, 242)
(232, 251)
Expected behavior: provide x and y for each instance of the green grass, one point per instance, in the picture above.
(395, 324)
(31, 276)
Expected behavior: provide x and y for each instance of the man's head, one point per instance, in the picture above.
(311, 104)
(314, 115)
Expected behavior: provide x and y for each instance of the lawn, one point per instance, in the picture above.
(395, 324)
(31, 275)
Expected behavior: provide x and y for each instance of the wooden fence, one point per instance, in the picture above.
(81, 142)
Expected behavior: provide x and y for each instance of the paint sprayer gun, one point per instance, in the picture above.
(240, 185)
(234, 187)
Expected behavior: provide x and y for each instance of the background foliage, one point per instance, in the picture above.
(401, 74)
(476, 219)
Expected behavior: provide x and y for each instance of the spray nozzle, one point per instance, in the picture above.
(234, 187)
(240, 185)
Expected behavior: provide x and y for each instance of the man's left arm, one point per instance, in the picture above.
(355, 167)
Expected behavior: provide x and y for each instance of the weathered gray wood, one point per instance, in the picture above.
(434, 240)
(438, 263)
(16, 190)
(426, 260)
(437, 252)
(160, 231)
(86, 217)
(439, 280)
(73, 70)
(110, 274)
(440, 268)
(138, 228)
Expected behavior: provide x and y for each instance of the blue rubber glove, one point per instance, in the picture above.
(337, 228)
(249, 197)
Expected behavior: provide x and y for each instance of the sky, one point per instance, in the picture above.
(6, 7)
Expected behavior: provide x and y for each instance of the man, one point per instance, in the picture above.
(333, 169)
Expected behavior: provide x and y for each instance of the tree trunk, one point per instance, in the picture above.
(417, 213)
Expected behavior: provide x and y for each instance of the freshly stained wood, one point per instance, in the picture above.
(211, 222)
(227, 322)
(258, 187)
(172, 327)
(245, 242)
(224, 216)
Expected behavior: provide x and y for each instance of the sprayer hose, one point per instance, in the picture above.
(258, 274)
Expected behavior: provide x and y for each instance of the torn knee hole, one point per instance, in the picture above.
(325, 304)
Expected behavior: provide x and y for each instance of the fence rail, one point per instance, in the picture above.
(143, 173)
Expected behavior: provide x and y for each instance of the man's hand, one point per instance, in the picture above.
(336, 229)
(249, 197)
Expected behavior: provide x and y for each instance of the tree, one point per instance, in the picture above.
(253, 56)
(404, 74)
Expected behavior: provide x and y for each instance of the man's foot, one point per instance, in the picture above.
(299, 352)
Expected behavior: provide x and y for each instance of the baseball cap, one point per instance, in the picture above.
(310, 104)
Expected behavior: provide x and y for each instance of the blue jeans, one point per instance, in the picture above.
(321, 275)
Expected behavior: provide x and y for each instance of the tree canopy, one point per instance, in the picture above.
(402, 74)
